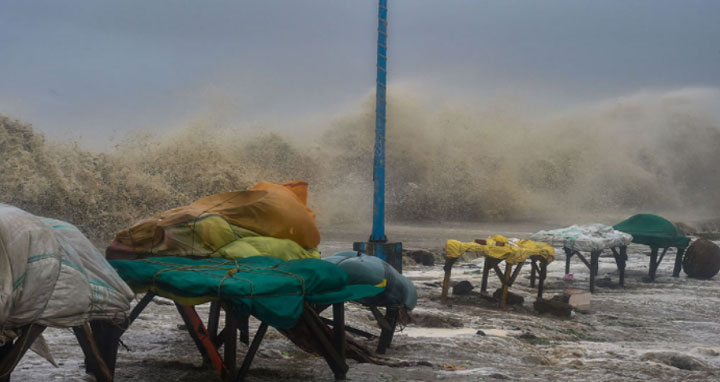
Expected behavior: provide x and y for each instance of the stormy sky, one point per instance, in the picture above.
(95, 70)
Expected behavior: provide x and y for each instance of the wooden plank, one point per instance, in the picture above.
(349, 329)
(515, 273)
(252, 350)
(202, 339)
(140, 307)
(326, 349)
(380, 318)
(584, 260)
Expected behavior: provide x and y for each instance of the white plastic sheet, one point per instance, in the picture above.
(589, 237)
(52, 275)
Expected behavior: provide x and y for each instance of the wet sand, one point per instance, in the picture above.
(645, 331)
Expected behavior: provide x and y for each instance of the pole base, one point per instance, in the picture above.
(389, 252)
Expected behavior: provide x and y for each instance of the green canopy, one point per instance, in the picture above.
(270, 289)
(653, 230)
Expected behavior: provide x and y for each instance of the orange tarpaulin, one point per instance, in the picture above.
(267, 209)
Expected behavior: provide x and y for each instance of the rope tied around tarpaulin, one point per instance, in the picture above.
(229, 273)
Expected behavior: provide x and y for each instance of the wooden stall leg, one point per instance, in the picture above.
(486, 273)
(623, 257)
(230, 346)
(244, 326)
(202, 340)
(107, 337)
(328, 351)
(568, 256)
(349, 329)
(386, 335)
(95, 353)
(446, 280)
(214, 320)
(84, 342)
(139, 308)
(13, 354)
(678, 262)
(533, 269)
(4, 350)
(252, 350)
(505, 285)
(542, 276)
(339, 327)
(594, 257)
(653, 263)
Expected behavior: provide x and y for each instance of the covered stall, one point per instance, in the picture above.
(52, 276)
(281, 294)
(593, 238)
(496, 249)
(657, 233)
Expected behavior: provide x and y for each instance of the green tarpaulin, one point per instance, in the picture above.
(653, 230)
(269, 289)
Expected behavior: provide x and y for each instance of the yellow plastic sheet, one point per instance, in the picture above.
(500, 247)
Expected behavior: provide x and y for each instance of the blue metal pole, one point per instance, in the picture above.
(378, 230)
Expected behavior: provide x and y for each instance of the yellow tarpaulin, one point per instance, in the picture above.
(500, 247)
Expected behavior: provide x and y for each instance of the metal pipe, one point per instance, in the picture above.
(378, 230)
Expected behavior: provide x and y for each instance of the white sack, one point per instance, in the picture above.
(52, 275)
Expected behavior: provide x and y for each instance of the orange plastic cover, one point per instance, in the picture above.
(268, 209)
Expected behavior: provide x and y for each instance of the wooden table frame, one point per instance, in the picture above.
(89, 336)
(208, 339)
(539, 271)
(387, 322)
(619, 253)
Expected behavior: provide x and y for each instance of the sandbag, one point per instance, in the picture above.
(52, 275)
(364, 269)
